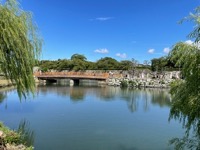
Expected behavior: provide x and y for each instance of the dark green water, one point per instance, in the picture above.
(94, 118)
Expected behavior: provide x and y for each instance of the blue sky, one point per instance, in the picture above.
(121, 29)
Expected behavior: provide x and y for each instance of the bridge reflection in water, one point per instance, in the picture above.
(74, 77)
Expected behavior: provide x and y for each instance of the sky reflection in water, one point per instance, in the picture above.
(100, 118)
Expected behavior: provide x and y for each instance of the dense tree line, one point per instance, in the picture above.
(78, 62)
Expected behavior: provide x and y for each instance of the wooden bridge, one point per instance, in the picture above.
(71, 75)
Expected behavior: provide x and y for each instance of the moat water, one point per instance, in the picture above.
(93, 118)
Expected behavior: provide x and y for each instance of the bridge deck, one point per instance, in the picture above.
(71, 75)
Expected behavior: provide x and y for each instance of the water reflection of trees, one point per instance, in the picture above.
(76, 94)
(133, 97)
(2, 97)
(107, 93)
(27, 135)
(190, 122)
(4, 92)
(160, 97)
(59, 90)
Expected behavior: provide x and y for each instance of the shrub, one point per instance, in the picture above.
(132, 83)
(124, 83)
(12, 137)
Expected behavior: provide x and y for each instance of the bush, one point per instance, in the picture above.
(11, 137)
(124, 83)
(132, 83)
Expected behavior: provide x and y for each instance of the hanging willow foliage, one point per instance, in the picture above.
(186, 93)
(195, 18)
(20, 46)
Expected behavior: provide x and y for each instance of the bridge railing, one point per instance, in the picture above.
(81, 74)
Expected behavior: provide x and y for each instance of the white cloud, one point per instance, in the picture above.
(121, 55)
(189, 42)
(151, 51)
(166, 50)
(103, 18)
(102, 51)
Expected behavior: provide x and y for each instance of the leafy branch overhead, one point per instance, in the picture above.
(20, 45)
(188, 57)
(195, 18)
(186, 93)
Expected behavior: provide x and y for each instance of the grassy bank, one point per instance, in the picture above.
(5, 82)
(13, 140)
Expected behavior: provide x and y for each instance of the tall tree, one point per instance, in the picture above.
(78, 62)
(125, 65)
(186, 93)
(107, 63)
(134, 66)
(158, 64)
(20, 45)
(195, 18)
(188, 56)
(78, 56)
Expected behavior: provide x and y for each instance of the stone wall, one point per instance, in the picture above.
(143, 78)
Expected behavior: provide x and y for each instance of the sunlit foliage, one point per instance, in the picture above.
(20, 44)
(186, 92)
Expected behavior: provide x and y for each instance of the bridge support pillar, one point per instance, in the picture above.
(71, 82)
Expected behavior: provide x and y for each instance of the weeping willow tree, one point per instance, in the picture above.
(20, 46)
(187, 56)
(186, 92)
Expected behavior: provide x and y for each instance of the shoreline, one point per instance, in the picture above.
(110, 82)
(5, 83)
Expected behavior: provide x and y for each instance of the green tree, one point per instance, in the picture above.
(20, 45)
(91, 65)
(46, 65)
(188, 56)
(78, 62)
(125, 65)
(62, 64)
(107, 63)
(79, 57)
(159, 64)
(195, 18)
(186, 93)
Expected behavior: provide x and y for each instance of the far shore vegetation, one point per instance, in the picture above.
(78, 62)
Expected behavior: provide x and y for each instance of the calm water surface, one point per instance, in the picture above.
(93, 118)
